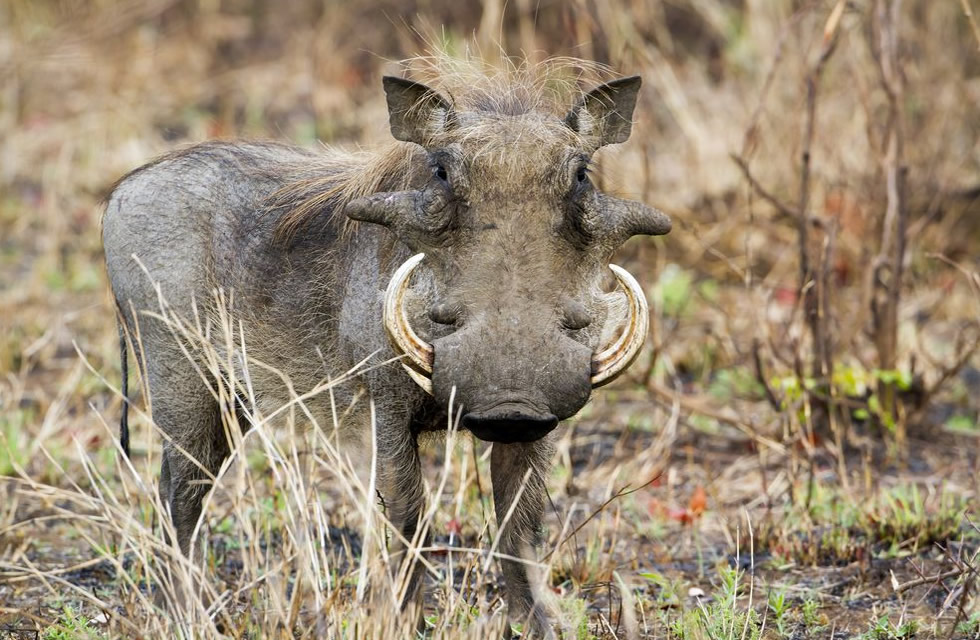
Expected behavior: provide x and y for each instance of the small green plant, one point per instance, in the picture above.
(823, 527)
(13, 440)
(72, 626)
(779, 607)
(850, 381)
(791, 622)
(970, 627)
(883, 629)
(668, 591)
(963, 424)
(901, 516)
(735, 382)
(720, 617)
(573, 610)
(810, 616)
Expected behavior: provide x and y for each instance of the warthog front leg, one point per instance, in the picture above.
(400, 485)
(514, 466)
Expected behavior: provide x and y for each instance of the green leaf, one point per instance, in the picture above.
(673, 290)
(962, 424)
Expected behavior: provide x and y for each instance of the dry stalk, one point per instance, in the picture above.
(816, 321)
(765, 194)
(750, 137)
(933, 579)
(761, 377)
(961, 568)
(968, 13)
(890, 260)
(813, 283)
(625, 490)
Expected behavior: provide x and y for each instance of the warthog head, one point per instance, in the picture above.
(513, 242)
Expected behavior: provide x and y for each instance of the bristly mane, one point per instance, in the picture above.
(327, 184)
(516, 87)
(519, 87)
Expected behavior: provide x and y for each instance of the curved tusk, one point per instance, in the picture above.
(613, 360)
(420, 379)
(418, 353)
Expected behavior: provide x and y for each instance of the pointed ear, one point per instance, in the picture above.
(606, 113)
(416, 112)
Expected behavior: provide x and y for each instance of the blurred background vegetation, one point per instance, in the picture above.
(817, 300)
(764, 127)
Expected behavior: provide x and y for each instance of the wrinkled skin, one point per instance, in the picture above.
(516, 240)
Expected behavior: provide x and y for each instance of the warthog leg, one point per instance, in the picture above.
(186, 412)
(512, 467)
(400, 486)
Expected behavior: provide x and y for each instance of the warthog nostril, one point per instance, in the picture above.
(509, 426)
(444, 313)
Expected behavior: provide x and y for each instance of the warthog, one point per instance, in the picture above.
(483, 269)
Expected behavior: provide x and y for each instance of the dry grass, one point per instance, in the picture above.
(816, 452)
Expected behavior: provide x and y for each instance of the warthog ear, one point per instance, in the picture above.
(416, 112)
(605, 114)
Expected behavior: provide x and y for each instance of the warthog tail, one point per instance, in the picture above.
(124, 386)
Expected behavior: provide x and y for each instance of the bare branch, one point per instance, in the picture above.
(625, 490)
(892, 246)
(760, 375)
(780, 206)
(939, 577)
(968, 12)
(694, 406)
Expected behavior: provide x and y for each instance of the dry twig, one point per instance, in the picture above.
(623, 491)
(968, 12)
(891, 256)
(766, 195)
(918, 582)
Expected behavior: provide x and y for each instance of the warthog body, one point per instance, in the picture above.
(505, 313)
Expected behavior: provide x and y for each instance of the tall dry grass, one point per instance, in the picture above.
(270, 559)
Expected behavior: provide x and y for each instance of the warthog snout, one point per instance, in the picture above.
(514, 380)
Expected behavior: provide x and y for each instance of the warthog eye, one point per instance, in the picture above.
(441, 173)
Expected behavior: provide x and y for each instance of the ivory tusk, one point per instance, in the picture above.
(613, 360)
(418, 353)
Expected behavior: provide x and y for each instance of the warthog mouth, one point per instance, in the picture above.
(607, 363)
(510, 422)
